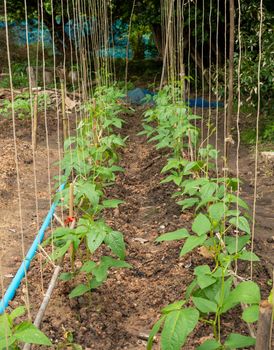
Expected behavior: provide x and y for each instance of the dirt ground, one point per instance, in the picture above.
(120, 314)
(15, 238)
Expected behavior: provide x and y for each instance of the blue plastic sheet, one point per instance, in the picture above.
(138, 97)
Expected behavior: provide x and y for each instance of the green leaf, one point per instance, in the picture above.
(204, 276)
(202, 270)
(248, 256)
(234, 244)
(174, 306)
(231, 198)
(246, 292)
(204, 305)
(201, 225)
(173, 236)
(7, 342)
(88, 266)
(241, 223)
(251, 314)
(5, 327)
(62, 232)
(191, 243)
(115, 241)
(188, 202)
(154, 331)
(111, 203)
(95, 238)
(210, 344)
(28, 333)
(60, 252)
(205, 281)
(66, 276)
(18, 312)
(190, 289)
(101, 270)
(79, 290)
(217, 211)
(238, 341)
(223, 291)
(110, 262)
(89, 190)
(94, 283)
(178, 325)
(208, 189)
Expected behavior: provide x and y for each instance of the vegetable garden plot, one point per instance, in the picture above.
(156, 243)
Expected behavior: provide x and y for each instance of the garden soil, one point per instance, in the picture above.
(120, 314)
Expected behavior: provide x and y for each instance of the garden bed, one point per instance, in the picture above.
(121, 313)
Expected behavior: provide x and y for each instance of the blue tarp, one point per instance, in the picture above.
(137, 96)
(117, 40)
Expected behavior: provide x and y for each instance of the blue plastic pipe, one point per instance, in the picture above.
(15, 283)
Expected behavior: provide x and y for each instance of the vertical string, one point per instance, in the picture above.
(203, 73)
(16, 152)
(257, 134)
(217, 86)
(238, 126)
(128, 42)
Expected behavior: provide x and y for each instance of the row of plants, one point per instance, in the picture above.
(220, 225)
(89, 163)
(22, 105)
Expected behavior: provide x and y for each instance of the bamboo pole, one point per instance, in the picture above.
(71, 200)
(40, 314)
(35, 122)
(65, 119)
(263, 340)
(71, 217)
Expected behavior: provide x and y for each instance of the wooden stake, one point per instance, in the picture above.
(65, 119)
(35, 122)
(47, 297)
(71, 200)
(71, 215)
(263, 339)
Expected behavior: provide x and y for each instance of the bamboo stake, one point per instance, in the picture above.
(47, 297)
(71, 216)
(65, 119)
(71, 200)
(35, 122)
(263, 341)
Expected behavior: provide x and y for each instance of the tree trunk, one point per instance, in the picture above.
(138, 48)
(157, 37)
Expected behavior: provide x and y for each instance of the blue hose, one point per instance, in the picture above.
(9, 295)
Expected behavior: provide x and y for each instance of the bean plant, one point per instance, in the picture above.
(221, 225)
(13, 332)
(22, 105)
(90, 163)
